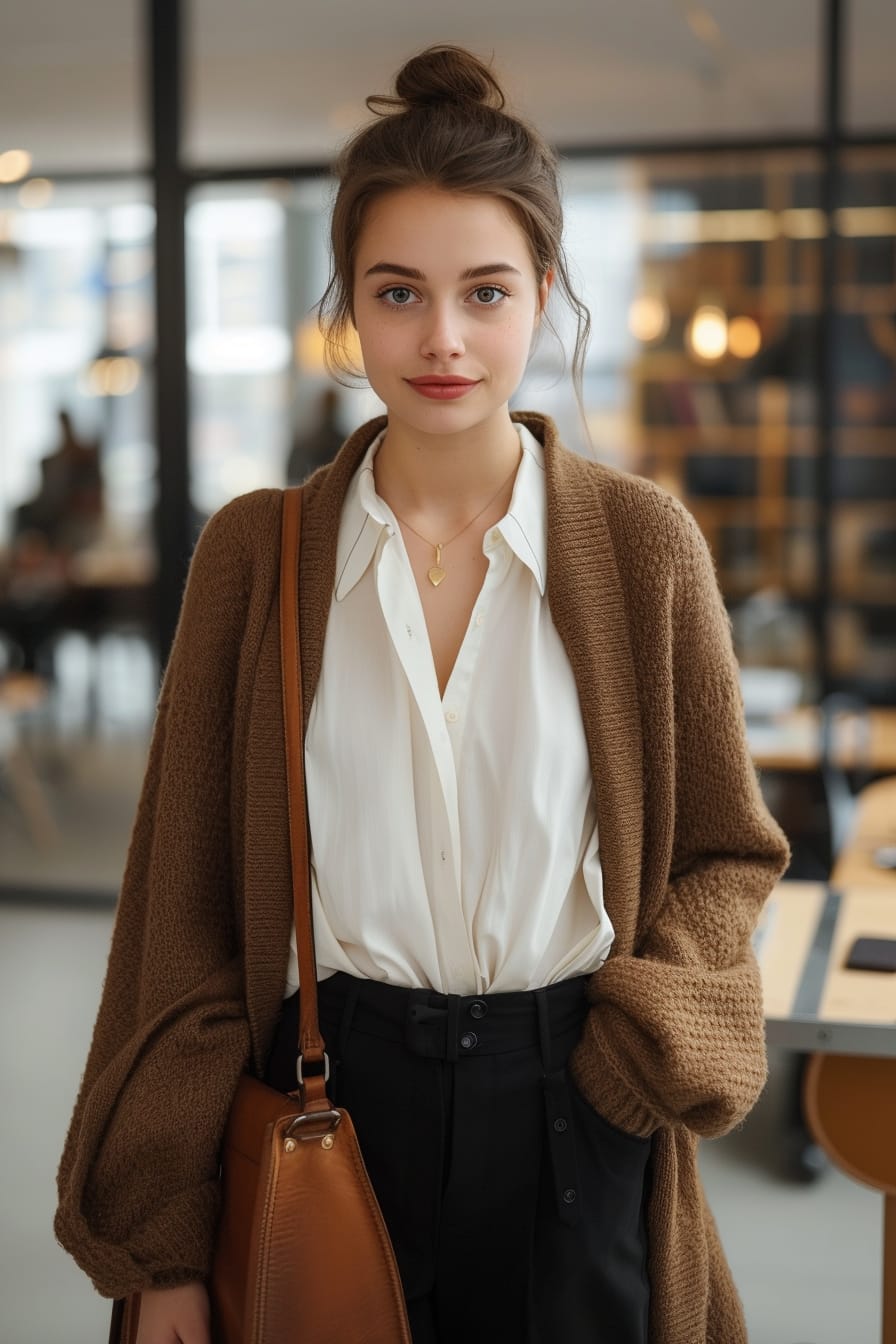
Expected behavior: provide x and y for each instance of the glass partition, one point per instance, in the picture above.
(77, 562)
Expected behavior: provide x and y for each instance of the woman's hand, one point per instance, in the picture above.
(174, 1315)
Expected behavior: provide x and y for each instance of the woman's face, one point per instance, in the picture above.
(446, 302)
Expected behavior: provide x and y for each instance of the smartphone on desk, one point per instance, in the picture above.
(872, 954)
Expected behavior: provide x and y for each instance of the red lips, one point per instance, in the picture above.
(442, 387)
(441, 380)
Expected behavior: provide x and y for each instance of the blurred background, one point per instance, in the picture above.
(729, 174)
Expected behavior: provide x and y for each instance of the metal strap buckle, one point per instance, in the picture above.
(313, 1117)
(299, 1074)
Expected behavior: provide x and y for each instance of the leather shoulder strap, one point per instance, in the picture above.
(311, 1045)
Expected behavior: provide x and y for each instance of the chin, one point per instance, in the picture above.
(448, 419)
(440, 417)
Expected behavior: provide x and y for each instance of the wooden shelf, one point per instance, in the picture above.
(737, 440)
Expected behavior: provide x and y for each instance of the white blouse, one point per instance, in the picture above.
(454, 839)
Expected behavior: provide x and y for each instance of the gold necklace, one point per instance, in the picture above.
(436, 573)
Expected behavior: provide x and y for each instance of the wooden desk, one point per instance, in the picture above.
(792, 741)
(848, 1019)
(874, 826)
(811, 1002)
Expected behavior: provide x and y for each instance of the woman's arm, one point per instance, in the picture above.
(138, 1177)
(174, 1316)
(676, 1032)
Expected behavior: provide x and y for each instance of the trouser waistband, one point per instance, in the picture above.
(453, 1026)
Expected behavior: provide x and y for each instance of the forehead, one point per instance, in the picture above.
(433, 229)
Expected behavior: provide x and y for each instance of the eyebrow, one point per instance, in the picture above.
(411, 273)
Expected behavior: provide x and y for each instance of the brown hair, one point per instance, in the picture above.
(445, 127)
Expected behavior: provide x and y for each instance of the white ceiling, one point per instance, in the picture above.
(284, 80)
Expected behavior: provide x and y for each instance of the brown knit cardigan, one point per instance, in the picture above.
(673, 1045)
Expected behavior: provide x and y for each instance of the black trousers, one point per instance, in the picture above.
(517, 1214)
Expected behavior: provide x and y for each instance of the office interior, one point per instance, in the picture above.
(729, 179)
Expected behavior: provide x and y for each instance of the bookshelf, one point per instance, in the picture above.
(735, 437)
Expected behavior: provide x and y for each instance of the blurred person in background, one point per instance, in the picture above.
(62, 519)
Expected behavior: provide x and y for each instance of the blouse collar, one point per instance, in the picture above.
(367, 520)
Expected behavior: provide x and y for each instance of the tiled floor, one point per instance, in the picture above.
(806, 1258)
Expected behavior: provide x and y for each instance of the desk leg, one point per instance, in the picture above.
(888, 1334)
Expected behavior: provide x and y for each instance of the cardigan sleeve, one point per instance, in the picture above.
(676, 1033)
(137, 1182)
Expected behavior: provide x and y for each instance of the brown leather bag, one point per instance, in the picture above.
(302, 1253)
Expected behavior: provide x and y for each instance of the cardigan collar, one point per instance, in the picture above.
(588, 608)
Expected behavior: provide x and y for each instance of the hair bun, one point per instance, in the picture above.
(441, 74)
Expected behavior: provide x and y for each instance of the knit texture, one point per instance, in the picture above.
(673, 1045)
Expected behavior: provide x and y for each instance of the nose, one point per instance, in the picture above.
(442, 336)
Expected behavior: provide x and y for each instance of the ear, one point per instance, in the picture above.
(544, 290)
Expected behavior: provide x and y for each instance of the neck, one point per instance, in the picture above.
(445, 478)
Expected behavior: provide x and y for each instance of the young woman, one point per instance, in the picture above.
(539, 849)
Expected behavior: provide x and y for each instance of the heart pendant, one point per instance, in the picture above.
(435, 575)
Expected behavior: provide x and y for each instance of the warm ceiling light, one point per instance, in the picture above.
(35, 193)
(648, 318)
(744, 337)
(14, 165)
(707, 333)
(124, 375)
(113, 376)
